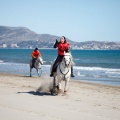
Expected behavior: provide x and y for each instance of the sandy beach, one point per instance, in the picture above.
(83, 101)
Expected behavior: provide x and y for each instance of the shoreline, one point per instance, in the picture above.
(21, 98)
(72, 79)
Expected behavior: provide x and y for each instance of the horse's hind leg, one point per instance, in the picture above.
(54, 81)
(30, 72)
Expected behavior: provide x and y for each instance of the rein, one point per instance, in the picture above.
(62, 72)
(69, 58)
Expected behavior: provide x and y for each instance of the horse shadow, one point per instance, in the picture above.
(36, 93)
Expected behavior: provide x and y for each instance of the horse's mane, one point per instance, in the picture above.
(68, 54)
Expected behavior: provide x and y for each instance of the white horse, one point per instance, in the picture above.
(37, 65)
(63, 73)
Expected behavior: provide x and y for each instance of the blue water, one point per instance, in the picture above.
(100, 66)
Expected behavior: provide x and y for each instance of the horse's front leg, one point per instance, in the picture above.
(53, 90)
(66, 85)
(59, 84)
(38, 72)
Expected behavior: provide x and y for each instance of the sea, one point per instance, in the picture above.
(96, 66)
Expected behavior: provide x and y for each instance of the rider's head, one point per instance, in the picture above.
(36, 48)
(63, 39)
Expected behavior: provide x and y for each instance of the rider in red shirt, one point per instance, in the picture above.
(63, 46)
(35, 54)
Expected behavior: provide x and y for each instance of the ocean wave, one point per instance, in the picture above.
(7, 63)
(113, 72)
(1, 61)
(113, 76)
(97, 76)
(97, 69)
(78, 68)
(46, 66)
(75, 59)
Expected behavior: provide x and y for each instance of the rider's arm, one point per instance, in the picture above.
(67, 49)
(56, 44)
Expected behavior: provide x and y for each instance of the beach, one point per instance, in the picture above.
(28, 98)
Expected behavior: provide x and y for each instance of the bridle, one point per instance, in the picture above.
(66, 60)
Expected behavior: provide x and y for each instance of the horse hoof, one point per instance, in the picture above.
(54, 92)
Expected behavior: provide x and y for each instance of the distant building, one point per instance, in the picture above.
(14, 46)
(4, 45)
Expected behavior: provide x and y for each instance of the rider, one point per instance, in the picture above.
(63, 46)
(35, 54)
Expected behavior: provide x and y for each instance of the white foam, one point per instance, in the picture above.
(78, 68)
(114, 76)
(17, 64)
(97, 76)
(1, 61)
(97, 69)
(46, 65)
(78, 73)
(113, 72)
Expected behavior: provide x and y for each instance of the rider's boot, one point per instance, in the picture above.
(51, 75)
(72, 72)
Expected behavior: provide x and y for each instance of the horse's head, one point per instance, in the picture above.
(40, 60)
(67, 59)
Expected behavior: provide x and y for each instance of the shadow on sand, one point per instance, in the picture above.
(37, 93)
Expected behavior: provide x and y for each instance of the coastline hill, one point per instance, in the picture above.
(22, 37)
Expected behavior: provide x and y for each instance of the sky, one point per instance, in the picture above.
(77, 20)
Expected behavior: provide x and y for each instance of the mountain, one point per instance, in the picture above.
(24, 38)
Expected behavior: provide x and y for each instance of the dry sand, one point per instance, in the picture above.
(83, 101)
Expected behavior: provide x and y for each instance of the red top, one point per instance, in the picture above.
(35, 54)
(62, 47)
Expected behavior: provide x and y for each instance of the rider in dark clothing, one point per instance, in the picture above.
(63, 46)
